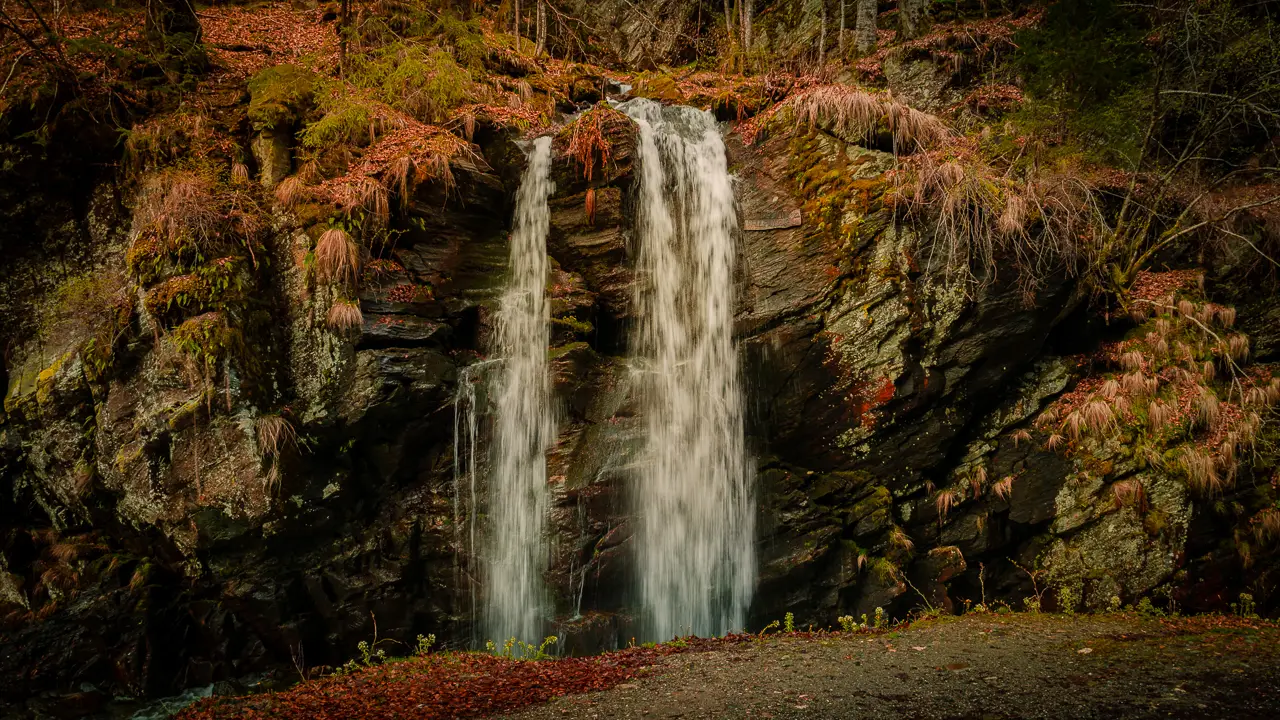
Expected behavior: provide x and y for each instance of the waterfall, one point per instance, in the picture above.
(515, 553)
(692, 498)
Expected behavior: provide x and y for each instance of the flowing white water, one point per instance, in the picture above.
(693, 497)
(515, 555)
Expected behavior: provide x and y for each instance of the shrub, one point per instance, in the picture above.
(208, 339)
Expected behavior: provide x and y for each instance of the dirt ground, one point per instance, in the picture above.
(977, 666)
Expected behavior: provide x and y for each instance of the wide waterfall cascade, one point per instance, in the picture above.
(515, 552)
(693, 496)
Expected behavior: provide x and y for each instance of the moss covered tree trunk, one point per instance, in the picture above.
(912, 17)
(542, 28)
(866, 38)
(822, 37)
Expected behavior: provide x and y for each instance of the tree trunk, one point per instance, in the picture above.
(822, 37)
(840, 41)
(866, 33)
(542, 28)
(911, 17)
(517, 25)
(747, 11)
(728, 25)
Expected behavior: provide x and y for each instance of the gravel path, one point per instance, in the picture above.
(977, 666)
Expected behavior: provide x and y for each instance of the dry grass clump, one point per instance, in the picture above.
(1133, 360)
(179, 203)
(1226, 316)
(1130, 493)
(1238, 347)
(291, 192)
(1054, 442)
(1046, 419)
(1199, 468)
(1098, 416)
(1121, 406)
(274, 434)
(944, 502)
(1159, 415)
(1134, 383)
(852, 112)
(1075, 424)
(1208, 371)
(1004, 488)
(344, 316)
(974, 219)
(337, 257)
(900, 540)
(1266, 525)
(1207, 408)
(375, 199)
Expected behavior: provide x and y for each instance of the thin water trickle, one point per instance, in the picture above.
(693, 496)
(515, 553)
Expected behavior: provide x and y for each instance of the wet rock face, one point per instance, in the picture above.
(871, 386)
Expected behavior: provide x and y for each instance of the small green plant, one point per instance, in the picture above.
(1246, 608)
(771, 626)
(789, 623)
(849, 625)
(880, 620)
(1114, 603)
(514, 649)
(370, 655)
(1148, 610)
(1068, 599)
(425, 642)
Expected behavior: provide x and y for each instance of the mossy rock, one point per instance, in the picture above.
(46, 380)
(279, 96)
(659, 86)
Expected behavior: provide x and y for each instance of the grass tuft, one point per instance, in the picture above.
(344, 316)
(337, 257)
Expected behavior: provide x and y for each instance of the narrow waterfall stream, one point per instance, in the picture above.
(515, 551)
(692, 497)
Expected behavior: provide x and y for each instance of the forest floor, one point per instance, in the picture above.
(972, 666)
(979, 666)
